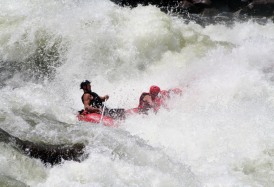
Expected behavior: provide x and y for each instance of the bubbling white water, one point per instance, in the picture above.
(218, 133)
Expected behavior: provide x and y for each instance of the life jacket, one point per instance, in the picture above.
(96, 102)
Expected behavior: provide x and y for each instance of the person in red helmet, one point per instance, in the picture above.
(147, 100)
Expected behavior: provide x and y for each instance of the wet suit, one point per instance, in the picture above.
(97, 102)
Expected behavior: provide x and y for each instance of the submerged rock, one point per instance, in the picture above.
(49, 154)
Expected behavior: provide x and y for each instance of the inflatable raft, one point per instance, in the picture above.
(112, 122)
(107, 121)
(96, 118)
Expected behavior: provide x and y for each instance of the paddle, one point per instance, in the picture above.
(103, 110)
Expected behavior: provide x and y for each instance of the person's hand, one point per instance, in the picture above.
(106, 97)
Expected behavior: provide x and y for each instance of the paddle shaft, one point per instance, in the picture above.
(103, 110)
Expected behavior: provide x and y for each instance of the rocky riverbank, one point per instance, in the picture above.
(209, 8)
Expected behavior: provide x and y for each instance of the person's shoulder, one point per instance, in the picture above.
(93, 93)
(147, 96)
(86, 95)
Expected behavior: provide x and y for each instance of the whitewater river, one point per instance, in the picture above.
(219, 133)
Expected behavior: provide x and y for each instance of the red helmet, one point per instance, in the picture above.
(154, 90)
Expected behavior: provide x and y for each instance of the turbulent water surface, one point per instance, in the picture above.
(218, 133)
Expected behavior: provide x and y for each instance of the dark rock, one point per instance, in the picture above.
(259, 8)
(236, 5)
(210, 12)
(263, 1)
(208, 7)
(49, 154)
(187, 6)
(204, 3)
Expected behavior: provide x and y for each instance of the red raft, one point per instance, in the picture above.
(96, 118)
(110, 122)
(107, 121)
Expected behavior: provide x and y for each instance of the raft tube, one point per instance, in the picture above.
(96, 118)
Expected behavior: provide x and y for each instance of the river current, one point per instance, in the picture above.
(220, 132)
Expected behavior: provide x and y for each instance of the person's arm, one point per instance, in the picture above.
(88, 108)
(104, 98)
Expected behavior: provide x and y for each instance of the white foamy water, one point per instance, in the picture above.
(218, 133)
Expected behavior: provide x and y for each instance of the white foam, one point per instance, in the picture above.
(218, 133)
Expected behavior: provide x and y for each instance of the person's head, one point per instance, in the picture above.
(154, 90)
(85, 85)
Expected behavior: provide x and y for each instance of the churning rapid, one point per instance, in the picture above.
(218, 133)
